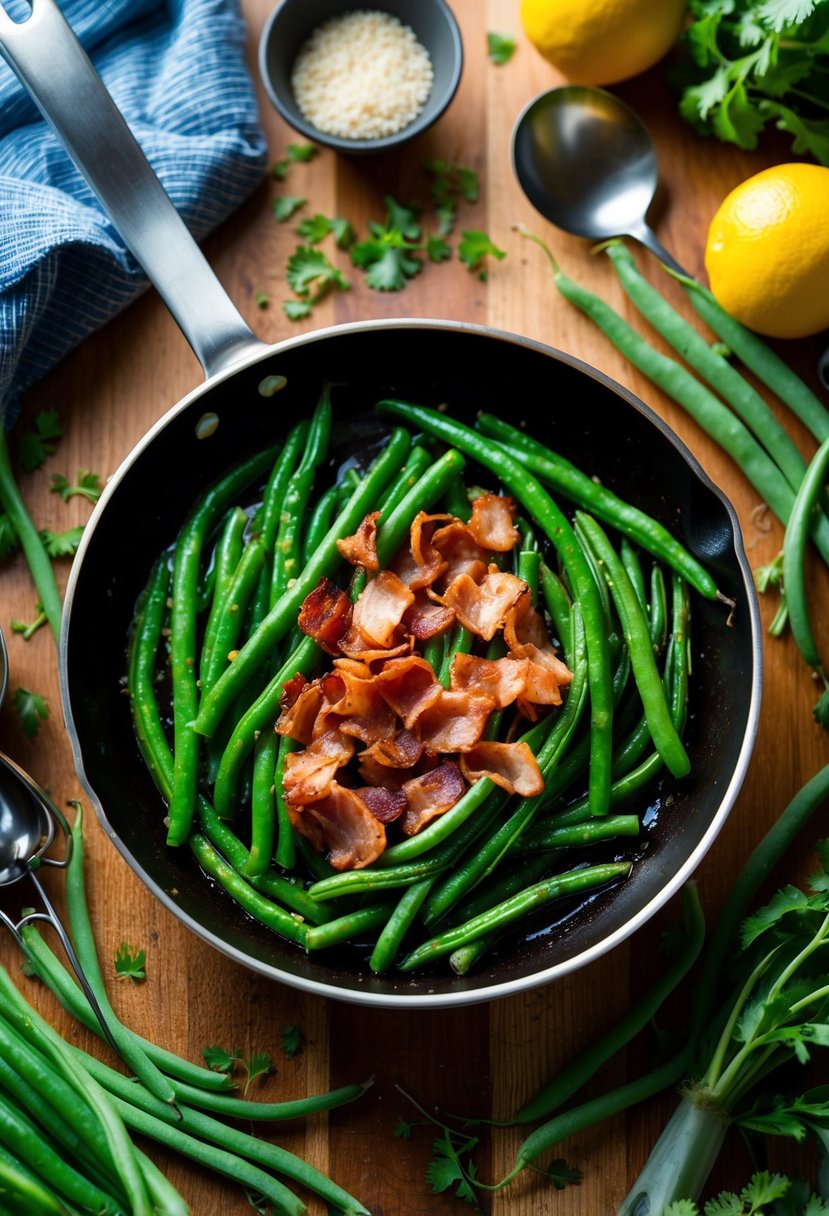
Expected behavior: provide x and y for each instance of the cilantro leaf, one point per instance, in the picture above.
(287, 205)
(308, 267)
(220, 1060)
(401, 219)
(438, 249)
(387, 257)
(681, 1207)
(475, 246)
(62, 544)
(450, 182)
(88, 486)
(130, 963)
(9, 540)
(297, 310)
(295, 154)
(291, 1039)
(403, 1131)
(261, 299)
(500, 48)
(31, 709)
(41, 442)
(316, 228)
(780, 14)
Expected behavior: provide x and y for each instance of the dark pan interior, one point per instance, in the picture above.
(579, 413)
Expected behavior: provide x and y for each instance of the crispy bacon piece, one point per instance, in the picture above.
(504, 680)
(341, 825)
(380, 608)
(545, 675)
(523, 625)
(297, 721)
(401, 751)
(325, 615)
(454, 721)
(491, 523)
(291, 690)
(461, 551)
(310, 773)
(409, 686)
(482, 607)
(426, 619)
(353, 704)
(510, 765)
(431, 795)
(385, 804)
(361, 548)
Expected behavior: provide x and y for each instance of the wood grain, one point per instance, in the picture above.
(489, 1057)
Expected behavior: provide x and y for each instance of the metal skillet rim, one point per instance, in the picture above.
(505, 988)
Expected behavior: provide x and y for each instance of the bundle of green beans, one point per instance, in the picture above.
(614, 584)
(67, 1118)
(735, 415)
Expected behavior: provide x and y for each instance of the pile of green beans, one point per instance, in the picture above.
(615, 587)
(67, 1118)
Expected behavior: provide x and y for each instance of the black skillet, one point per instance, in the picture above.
(580, 412)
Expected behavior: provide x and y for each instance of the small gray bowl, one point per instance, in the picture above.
(293, 21)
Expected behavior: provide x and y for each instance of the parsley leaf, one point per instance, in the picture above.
(130, 963)
(220, 1060)
(297, 310)
(41, 442)
(308, 267)
(316, 228)
(62, 544)
(9, 540)
(291, 1040)
(88, 486)
(31, 709)
(475, 246)
(450, 183)
(295, 154)
(287, 205)
(260, 299)
(500, 48)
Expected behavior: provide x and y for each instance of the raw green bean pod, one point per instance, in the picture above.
(24, 1192)
(226, 557)
(268, 516)
(555, 525)
(347, 927)
(286, 924)
(319, 521)
(288, 549)
(794, 556)
(391, 936)
(575, 882)
(282, 617)
(721, 376)
(149, 621)
(231, 617)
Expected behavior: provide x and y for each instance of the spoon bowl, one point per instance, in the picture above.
(26, 827)
(587, 163)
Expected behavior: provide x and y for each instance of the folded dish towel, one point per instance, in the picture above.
(177, 71)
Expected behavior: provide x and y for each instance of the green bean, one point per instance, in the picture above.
(393, 527)
(270, 511)
(287, 555)
(263, 806)
(759, 358)
(657, 610)
(551, 520)
(270, 1112)
(260, 716)
(418, 462)
(707, 410)
(228, 627)
(151, 613)
(533, 897)
(282, 617)
(794, 556)
(368, 879)
(346, 928)
(459, 641)
(286, 836)
(556, 601)
(720, 375)
(226, 558)
(434, 651)
(23, 1139)
(31, 542)
(183, 641)
(633, 566)
(254, 903)
(220, 1147)
(579, 1070)
(456, 500)
(529, 570)
(590, 495)
(24, 1193)
(391, 936)
(319, 521)
(575, 835)
(83, 938)
(665, 735)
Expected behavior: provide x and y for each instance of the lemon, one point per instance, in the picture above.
(602, 41)
(767, 251)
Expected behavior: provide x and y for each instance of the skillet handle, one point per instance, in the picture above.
(53, 67)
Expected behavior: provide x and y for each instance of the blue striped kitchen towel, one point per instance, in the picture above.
(177, 71)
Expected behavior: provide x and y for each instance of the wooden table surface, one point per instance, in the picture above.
(491, 1056)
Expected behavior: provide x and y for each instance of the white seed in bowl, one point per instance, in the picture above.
(363, 75)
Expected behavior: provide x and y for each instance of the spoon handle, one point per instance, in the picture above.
(647, 237)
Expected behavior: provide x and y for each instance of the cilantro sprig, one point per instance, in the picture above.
(500, 48)
(756, 63)
(31, 708)
(258, 1064)
(41, 441)
(130, 963)
(87, 485)
(765, 1195)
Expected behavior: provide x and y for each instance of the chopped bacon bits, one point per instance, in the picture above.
(383, 743)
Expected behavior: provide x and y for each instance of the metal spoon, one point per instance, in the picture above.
(29, 825)
(587, 163)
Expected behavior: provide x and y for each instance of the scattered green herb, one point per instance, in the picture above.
(28, 630)
(256, 1065)
(9, 541)
(450, 182)
(62, 544)
(295, 154)
(290, 1040)
(287, 205)
(756, 62)
(317, 227)
(500, 48)
(765, 1195)
(88, 486)
(261, 299)
(297, 310)
(130, 964)
(475, 246)
(310, 268)
(37, 444)
(31, 709)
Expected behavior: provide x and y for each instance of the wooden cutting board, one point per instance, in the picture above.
(487, 1059)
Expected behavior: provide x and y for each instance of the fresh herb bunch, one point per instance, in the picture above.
(764, 1195)
(752, 63)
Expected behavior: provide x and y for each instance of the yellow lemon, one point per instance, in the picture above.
(767, 251)
(602, 41)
